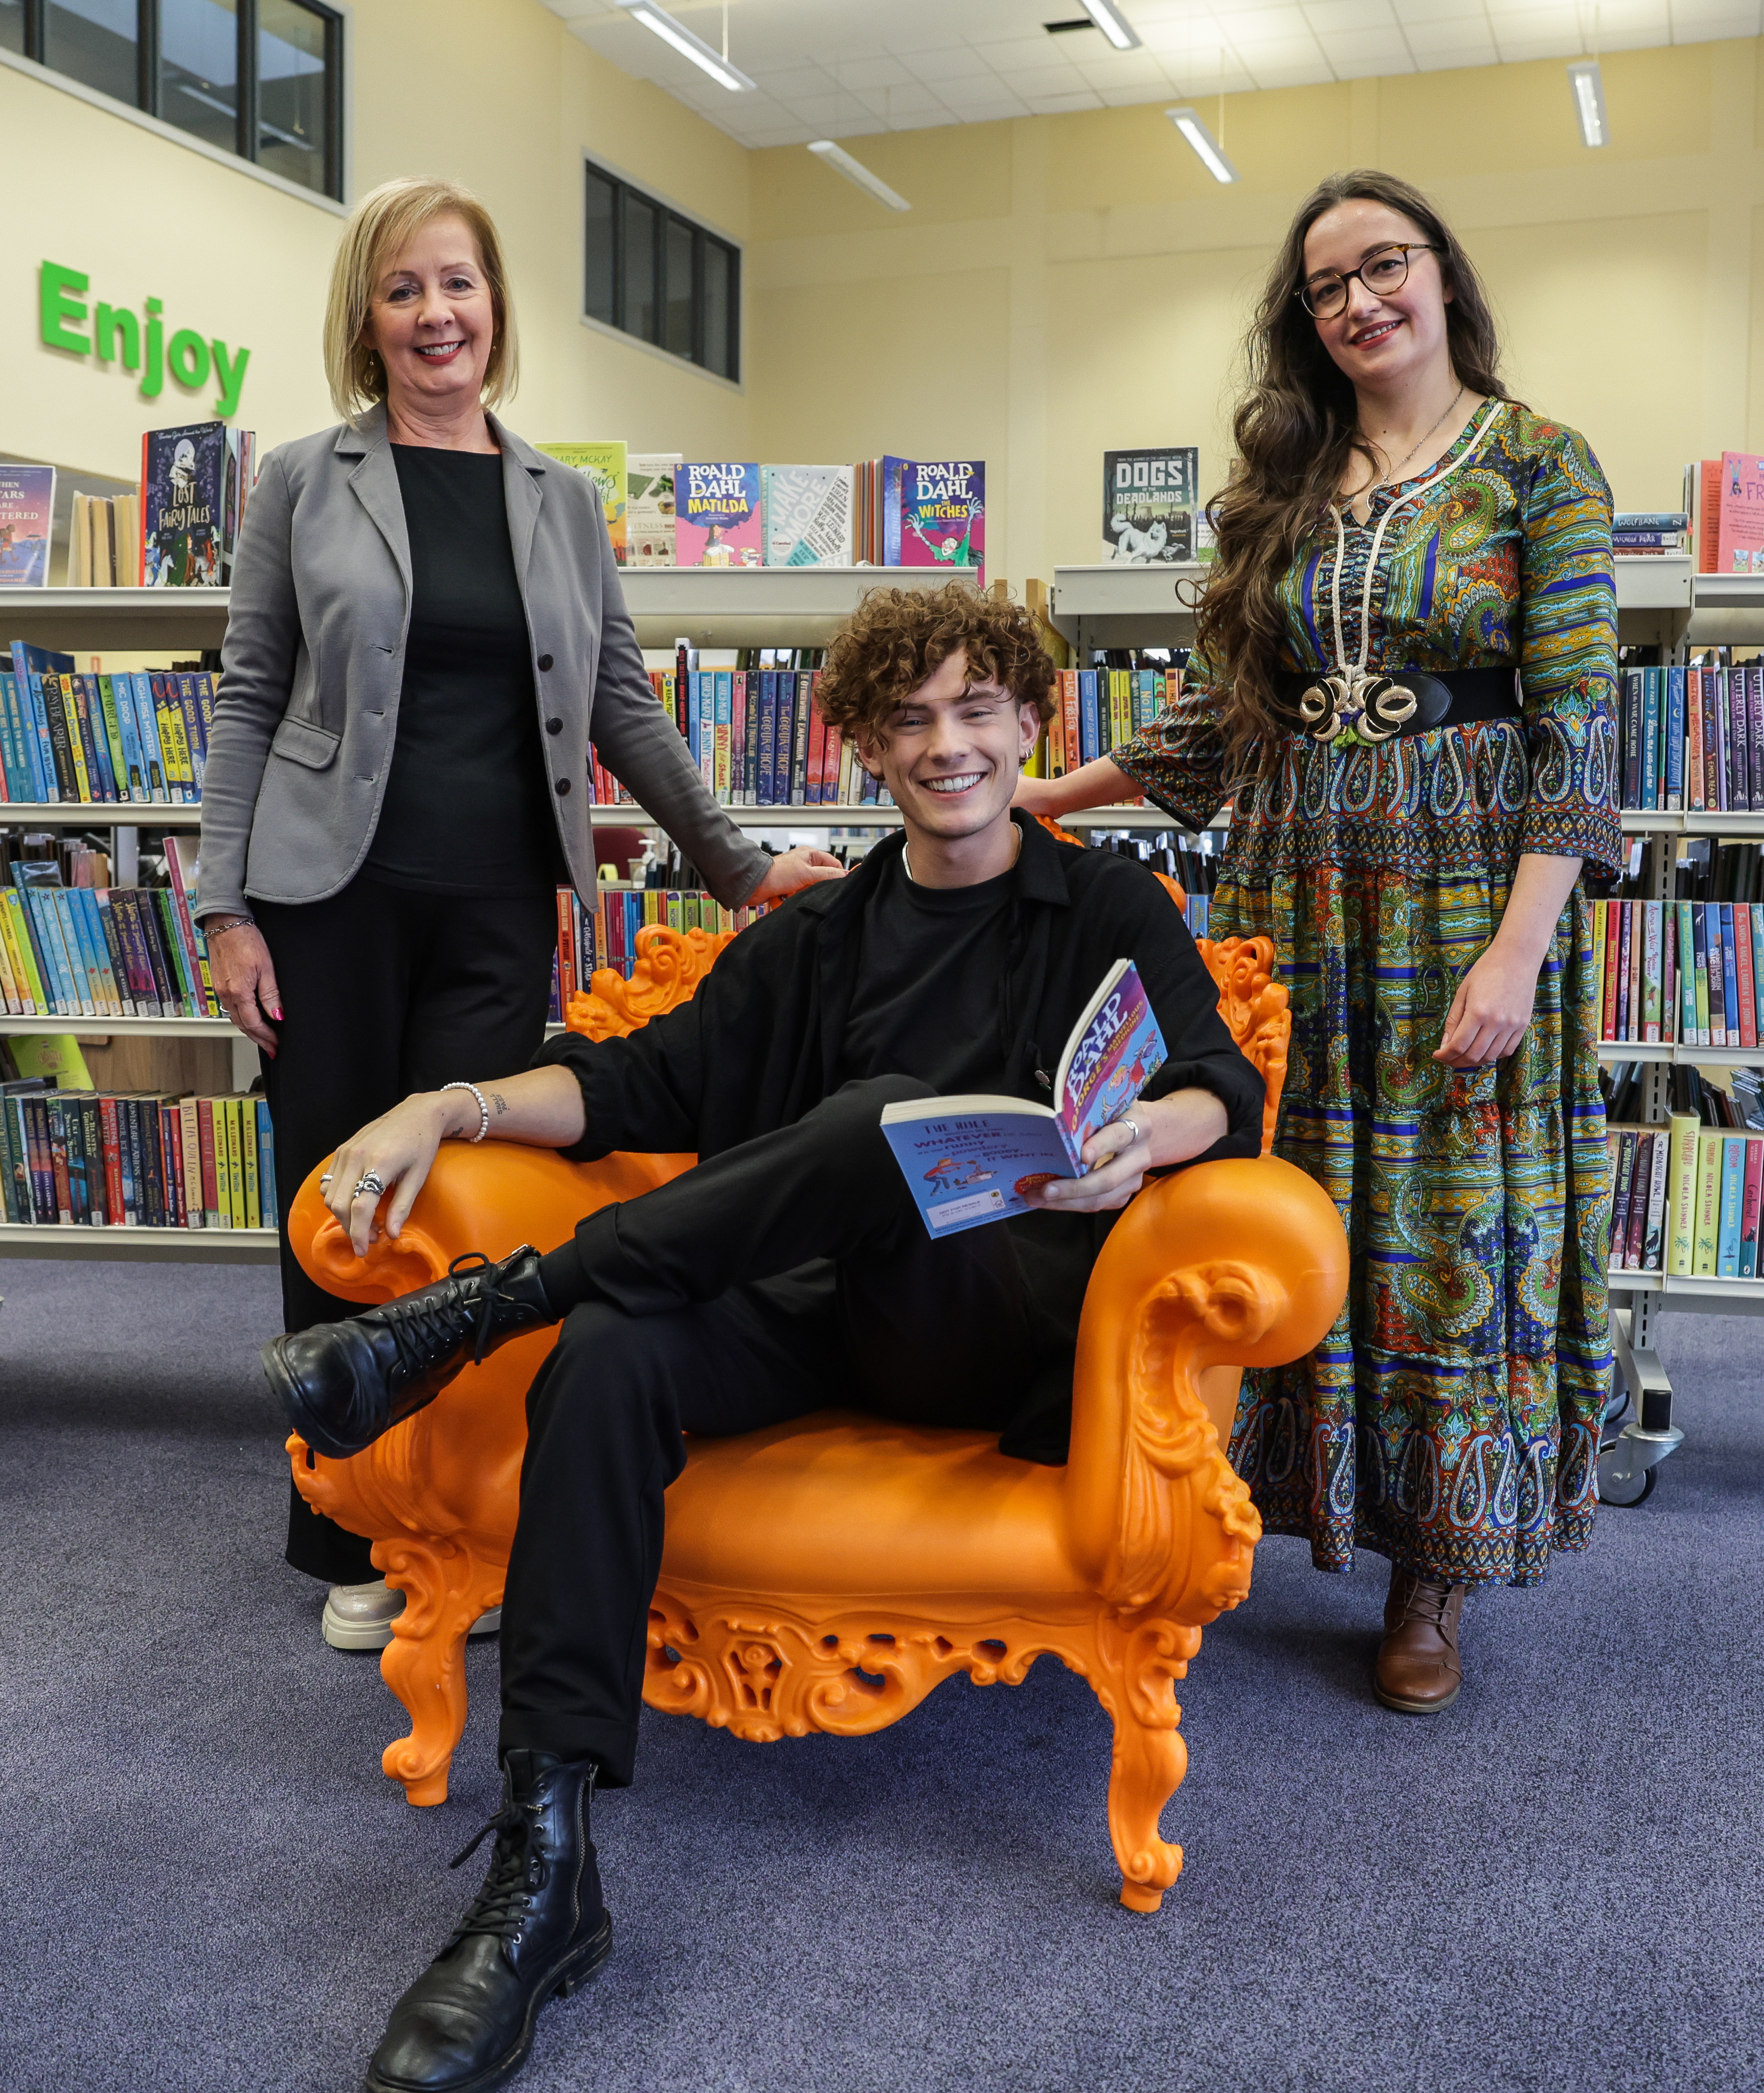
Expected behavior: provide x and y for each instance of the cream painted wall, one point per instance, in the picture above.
(1066, 285)
(494, 93)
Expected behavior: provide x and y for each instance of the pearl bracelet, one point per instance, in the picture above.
(484, 1112)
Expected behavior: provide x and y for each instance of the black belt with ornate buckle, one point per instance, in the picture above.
(1379, 705)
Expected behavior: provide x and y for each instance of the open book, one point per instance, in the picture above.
(970, 1160)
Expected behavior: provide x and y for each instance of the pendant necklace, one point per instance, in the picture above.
(1385, 478)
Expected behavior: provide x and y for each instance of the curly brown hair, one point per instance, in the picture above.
(896, 638)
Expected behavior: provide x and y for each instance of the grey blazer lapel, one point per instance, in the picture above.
(522, 466)
(375, 481)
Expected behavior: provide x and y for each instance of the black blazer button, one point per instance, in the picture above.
(554, 726)
(563, 786)
(544, 660)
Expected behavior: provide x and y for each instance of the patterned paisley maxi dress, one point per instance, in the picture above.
(1450, 1421)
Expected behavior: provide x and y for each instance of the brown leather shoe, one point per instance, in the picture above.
(1419, 1670)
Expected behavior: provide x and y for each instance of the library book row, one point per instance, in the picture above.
(101, 740)
(1680, 973)
(88, 1159)
(1691, 740)
(100, 950)
(1685, 1198)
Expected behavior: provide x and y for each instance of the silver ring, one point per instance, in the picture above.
(1133, 1128)
(326, 1178)
(370, 1180)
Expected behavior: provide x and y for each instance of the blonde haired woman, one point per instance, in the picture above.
(427, 626)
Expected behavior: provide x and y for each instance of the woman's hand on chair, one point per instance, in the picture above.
(244, 975)
(398, 1148)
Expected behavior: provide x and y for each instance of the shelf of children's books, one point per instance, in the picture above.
(1612, 1050)
(99, 814)
(136, 1027)
(131, 620)
(758, 606)
(141, 1246)
(1122, 605)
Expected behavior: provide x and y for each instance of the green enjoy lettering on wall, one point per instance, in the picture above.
(119, 336)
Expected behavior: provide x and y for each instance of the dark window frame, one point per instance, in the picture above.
(720, 359)
(246, 140)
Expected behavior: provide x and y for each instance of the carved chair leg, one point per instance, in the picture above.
(1138, 1663)
(446, 1589)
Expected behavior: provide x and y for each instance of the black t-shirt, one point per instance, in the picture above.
(929, 985)
(467, 806)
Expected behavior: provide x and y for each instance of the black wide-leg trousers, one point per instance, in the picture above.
(386, 990)
(792, 1274)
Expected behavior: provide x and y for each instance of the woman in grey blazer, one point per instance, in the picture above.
(426, 626)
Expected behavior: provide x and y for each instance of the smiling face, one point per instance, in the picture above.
(1379, 341)
(952, 754)
(433, 320)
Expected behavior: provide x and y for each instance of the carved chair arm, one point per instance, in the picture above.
(1240, 1263)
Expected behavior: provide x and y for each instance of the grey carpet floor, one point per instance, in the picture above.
(206, 1883)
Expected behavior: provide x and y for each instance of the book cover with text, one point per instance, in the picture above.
(649, 508)
(1740, 526)
(27, 524)
(935, 514)
(183, 503)
(808, 515)
(1150, 499)
(605, 464)
(718, 515)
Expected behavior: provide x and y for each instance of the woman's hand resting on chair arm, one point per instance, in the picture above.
(542, 1107)
(1164, 1130)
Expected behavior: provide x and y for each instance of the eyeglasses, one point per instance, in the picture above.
(1386, 270)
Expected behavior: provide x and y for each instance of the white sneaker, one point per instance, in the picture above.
(360, 1616)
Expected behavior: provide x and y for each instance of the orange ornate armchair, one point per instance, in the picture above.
(825, 1575)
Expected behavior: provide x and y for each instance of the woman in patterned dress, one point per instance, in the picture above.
(1393, 509)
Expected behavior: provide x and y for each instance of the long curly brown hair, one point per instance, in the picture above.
(1295, 428)
(896, 638)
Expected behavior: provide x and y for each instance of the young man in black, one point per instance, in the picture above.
(791, 1268)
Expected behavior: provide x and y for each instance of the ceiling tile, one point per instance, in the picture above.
(1410, 11)
(870, 72)
(1455, 43)
(1329, 17)
(960, 62)
(1364, 51)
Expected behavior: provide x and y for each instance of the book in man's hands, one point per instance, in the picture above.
(970, 1160)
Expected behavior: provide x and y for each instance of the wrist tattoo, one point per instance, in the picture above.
(497, 1099)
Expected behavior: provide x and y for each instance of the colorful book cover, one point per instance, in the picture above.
(606, 464)
(1739, 525)
(718, 516)
(27, 524)
(649, 508)
(1149, 500)
(970, 1160)
(808, 515)
(183, 501)
(935, 514)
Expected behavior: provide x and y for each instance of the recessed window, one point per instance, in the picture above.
(654, 273)
(260, 78)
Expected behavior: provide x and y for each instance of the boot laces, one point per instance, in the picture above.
(1428, 1601)
(517, 1871)
(427, 1324)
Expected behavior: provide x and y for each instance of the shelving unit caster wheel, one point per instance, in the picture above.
(1627, 1467)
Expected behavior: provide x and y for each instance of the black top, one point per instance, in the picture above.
(769, 1035)
(930, 984)
(467, 806)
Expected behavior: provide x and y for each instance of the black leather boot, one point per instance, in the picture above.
(343, 1383)
(537, 1928)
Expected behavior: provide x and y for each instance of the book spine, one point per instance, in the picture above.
(13, 1203)
(269, 1192)
(1730, 975)
(1090, 723)
(799, 762)
(58, 1161)
(108, 984)
(818, 750)
(1626, 1008)
(1674, 752)
(1723, 738)
(1693, 740)
(1623, 1188)
(1708, 1203)
(1654, 1233)
(190, 720)
(1754, 696)
(1700, 948)
(112, 717)
(1758, 968)
(42, 1165)
(153, 764)
(1652, 969)
(206, 1003)
(89, 706)
(1638, 1202)
(206, 1162)
(1749, 1204)
(248, 1162)
(49, 775)
(19, 781)
(1733, 1190)
(1682, 1170)
(67, 784)
(1746, 980)
(191, 1143)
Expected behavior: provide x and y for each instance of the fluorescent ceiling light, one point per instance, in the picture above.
(855, 171)
(1207, 147)
(1114, 24)
(702, 54)
(1588, 90)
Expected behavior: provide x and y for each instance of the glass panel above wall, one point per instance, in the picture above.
(600, 260)
(199, 68)
(723, 287)
(12, 25)
(95, 41)
(678, 333)
(293, 100)
(641, 230)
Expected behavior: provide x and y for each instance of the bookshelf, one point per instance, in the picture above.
(141, 1246)
(124, 621)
